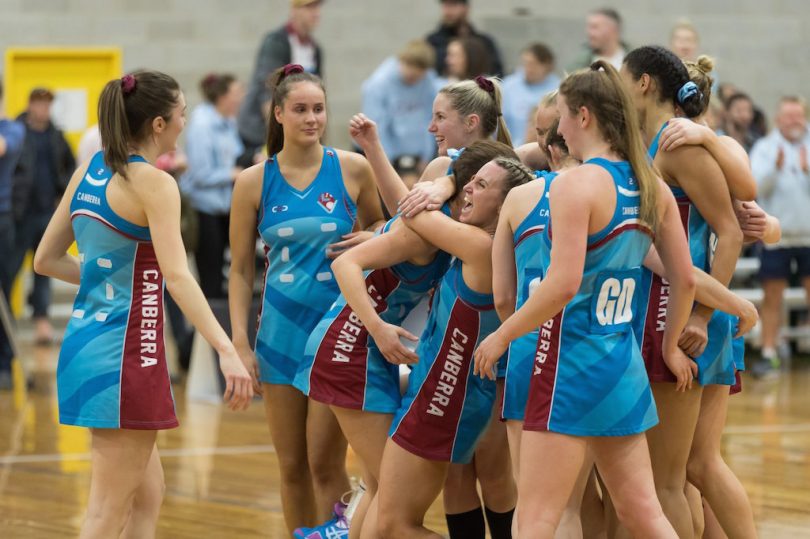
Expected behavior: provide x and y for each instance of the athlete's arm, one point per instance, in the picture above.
(245, 203)
(392, 189)
(570, 212)
(504, 271)
(730, 156)
(161, 202)
(670, 242)
(699, 175)
(470, 244)
(383, 251)
(51, 257)
(711, 293)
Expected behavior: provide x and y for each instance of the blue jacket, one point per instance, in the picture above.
(14, 134)
(402, 112)
(212, 146)
(519, 97)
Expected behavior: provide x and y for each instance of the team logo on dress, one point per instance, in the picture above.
(92, 181)
(278, 209)
(327, 202)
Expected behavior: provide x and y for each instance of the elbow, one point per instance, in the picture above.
(505, 305)
(568, 289)
(40, 262)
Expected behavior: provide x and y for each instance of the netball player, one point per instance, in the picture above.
(353, 354)
(445, 409)
(589, 389)
(112, 377)
(462, 113)
(659, 82)
(305, 200)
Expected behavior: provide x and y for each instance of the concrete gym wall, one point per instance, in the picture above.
(760, 46)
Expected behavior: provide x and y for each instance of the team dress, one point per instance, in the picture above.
(342, 365)
(446, 409)
(588, 376)
(716, 363)
(529, 265)
(112, 369)
(297, 227)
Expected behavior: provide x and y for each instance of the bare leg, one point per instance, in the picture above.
(549, 464)
(711, 475)
(712, 528)
(771, 311)
(367, 433)
(624, 463)
(514, 429)
(571, 523)
(408, 486)
(669, 443)
(695, 500)
(120, 458)
(143, 517)
(493, 465)
(593, 510)
(326, 453)
(286, 409)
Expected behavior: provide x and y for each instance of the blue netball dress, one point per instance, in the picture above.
(529, 264)
(446, 409)
(112, 369)
(588, 376)
(715, 365)
(297, 227)
(342, 364)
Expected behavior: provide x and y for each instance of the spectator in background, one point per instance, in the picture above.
(455, 23)
(43, 171)
(684, 41)
(212, 147)
(398, 96)
(11, 141)
(604, 29)
(291, 44)
(781, 166)
(739, 121)
(466, 58)
(525, 87)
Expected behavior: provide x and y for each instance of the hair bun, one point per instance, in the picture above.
(705, 63)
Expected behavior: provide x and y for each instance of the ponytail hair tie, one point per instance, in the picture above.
(485, 84)
(687, 91)
(292, 69)
(454, 154)
(128, 83)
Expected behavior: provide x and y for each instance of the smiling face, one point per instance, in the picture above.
(448, 126)
(303, 114)
(483, 197)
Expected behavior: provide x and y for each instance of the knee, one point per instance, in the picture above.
(325, 469)
(701, 468)
(293, 468)
(149, 498)
(393, 527)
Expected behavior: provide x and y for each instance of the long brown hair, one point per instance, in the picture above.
(126, 109)
(280, 84)
(468, 97)
(600, 89)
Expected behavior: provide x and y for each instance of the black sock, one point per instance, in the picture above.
(500, 524)
(469, 525)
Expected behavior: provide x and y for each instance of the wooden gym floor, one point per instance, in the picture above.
(222, 479)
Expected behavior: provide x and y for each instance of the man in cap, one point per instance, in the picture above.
(43, 171)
